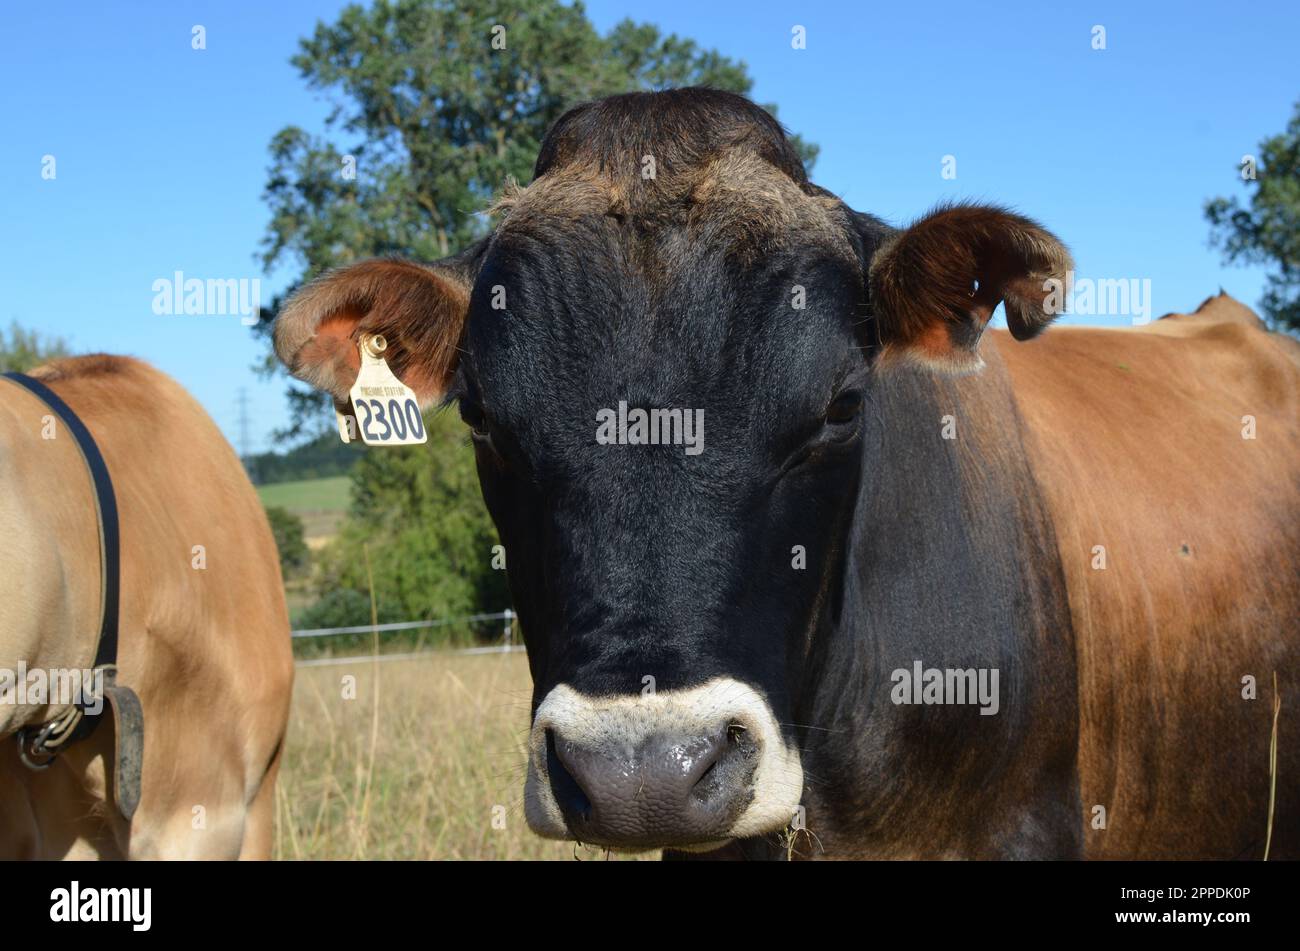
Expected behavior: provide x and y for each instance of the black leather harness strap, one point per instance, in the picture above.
(39, 745)
(105, 500)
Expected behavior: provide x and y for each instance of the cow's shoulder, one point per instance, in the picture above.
(132, 406)
(1221, 308)
(89, 365)
(1228, 324)
(102, 372)
(1185, 361)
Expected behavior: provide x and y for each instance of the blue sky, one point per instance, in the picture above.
(161, 149)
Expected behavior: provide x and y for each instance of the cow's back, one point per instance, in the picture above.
(1168, 458)
(204, 629)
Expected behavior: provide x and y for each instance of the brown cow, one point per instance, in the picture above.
(1176, 447)
(930, 592)
(204, 632)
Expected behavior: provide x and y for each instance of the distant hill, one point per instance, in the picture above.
(324, 456)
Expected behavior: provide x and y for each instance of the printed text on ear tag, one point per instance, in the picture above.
(387, 412)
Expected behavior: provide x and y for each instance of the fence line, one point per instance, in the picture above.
(413, 655)
(507, 615)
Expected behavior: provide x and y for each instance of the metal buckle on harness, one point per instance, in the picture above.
(31, 743)
(46, 741)
(38, 746)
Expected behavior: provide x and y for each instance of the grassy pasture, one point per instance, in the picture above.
(417, 766)
(320, 503)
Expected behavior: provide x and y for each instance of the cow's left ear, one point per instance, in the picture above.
(419, 309)
(935, 285)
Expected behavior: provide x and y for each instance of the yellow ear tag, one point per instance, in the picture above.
(387, 412)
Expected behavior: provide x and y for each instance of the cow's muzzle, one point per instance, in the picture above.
(685, 769)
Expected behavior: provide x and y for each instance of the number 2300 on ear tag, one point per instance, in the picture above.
(388, 413)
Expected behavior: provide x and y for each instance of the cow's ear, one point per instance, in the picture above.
(935, 285)
(420, 310)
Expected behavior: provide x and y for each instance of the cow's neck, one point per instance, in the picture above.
(951, 563)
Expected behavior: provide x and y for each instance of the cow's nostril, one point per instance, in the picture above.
(569, 794)
(666, 788)
(733, 761)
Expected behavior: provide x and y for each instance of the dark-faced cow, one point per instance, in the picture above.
(791, 536)
(203, 633)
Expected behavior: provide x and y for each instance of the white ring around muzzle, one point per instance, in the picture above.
(616, 723)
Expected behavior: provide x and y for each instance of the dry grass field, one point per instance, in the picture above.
(418, 764)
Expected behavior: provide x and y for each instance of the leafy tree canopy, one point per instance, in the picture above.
(429, 119)
(1266, 230)
(287, 528)
(418, 511)
(435, 105)
(22, 350)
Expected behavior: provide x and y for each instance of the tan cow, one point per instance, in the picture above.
(1175, 447)
(204, 630)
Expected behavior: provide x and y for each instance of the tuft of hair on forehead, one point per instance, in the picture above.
(680, 128)
(720, 164)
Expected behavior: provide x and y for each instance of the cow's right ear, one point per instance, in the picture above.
(934, 286)
(419, 309)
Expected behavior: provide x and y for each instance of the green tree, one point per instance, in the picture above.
(435, 105)
(1267, 229)
(430, 116)
(23, 349)
(290, 541)
(430, 539)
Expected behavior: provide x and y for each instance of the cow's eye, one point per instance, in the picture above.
(476, 419)
(844, 408)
